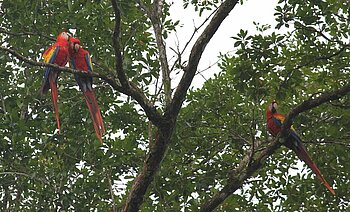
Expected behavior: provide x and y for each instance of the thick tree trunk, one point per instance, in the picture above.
(150, 167)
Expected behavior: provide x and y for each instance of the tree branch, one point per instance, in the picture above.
(155, 17)
(111, 81)
(329, 143)
(24, 175)
(150, 167)
(130, 88)
(147, 106)
(26, 33)
(246, 169)
(313, 29)
(180, 53)
(111, 191)
(196, 29)
(327, 57)
(196, 53)
(133, 91)
(117, 49)
(165, 130)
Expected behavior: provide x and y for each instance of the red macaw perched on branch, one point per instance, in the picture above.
(293, 141)
(80, 60)
(58, 54)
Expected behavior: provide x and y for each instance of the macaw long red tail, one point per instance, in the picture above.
(54, 95)
(304, 156)
(95, 113)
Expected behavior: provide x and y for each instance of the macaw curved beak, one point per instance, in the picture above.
(69, 34)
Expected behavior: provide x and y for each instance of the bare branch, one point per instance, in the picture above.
(178, 60)
(196, 29)
(180, 53)
(247, 168)
(130, 88)
(196, 53)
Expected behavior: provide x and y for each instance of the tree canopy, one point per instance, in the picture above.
(169, 147)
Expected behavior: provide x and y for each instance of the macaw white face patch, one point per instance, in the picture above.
(76, 47)
(274, 105)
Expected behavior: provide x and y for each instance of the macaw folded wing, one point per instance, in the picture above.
(293, 141)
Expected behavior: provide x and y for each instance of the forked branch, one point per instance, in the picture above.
(196, 53)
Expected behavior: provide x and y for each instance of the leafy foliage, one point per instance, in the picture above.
(305, 54)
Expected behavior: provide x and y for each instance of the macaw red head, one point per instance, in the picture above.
(63, 36)
(74, 44)
(273, 107)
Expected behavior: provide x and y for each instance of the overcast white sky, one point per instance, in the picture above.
(241, 17)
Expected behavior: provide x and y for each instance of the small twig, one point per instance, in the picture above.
(196, 29)
(196, 53)
(291, 72)
(310, 28)
(24, 175)
(340, 105)
(329, 142)
(143, 6)
(26, 33)
(252, 134)
(111, 191)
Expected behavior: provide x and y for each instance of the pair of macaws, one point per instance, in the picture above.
(66, 49)
(293, 141)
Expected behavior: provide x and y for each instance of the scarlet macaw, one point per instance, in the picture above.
(80, 60)
(293, 141)
(58, 54)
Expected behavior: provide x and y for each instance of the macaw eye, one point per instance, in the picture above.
(64, 35)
